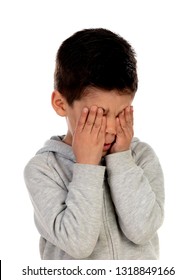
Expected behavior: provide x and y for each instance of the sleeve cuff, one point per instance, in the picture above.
(119, 162)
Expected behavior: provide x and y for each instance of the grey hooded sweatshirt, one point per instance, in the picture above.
(107, 211)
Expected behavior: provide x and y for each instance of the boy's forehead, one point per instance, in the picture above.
(92, 93)
(111, 100)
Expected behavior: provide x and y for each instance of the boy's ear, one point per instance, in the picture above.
(59, 103)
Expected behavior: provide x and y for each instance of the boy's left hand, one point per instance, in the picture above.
(124, 131)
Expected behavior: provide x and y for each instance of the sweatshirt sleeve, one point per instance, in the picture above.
(137, 189)
(69, 217)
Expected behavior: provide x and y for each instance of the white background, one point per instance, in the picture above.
(162, 33)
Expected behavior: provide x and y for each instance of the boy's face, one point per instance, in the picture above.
(112, 104)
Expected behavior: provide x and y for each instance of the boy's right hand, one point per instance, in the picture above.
(89, 136)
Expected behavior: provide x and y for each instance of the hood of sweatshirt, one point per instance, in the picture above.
(56, 145)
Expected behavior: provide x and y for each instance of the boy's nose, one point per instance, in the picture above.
(111, 126)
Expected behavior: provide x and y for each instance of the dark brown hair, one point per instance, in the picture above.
(97, 58)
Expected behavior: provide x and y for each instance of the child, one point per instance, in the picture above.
(97, 191)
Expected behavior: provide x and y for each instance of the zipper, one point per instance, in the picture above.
(106, 224)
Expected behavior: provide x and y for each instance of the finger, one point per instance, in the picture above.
(90, 119)
(98, 120)
(119, 129)
(82, 119)
(131, 113)
(122, 119)
(128, 114)
(102, 131)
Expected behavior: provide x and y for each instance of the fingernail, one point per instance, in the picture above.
(85, 110)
